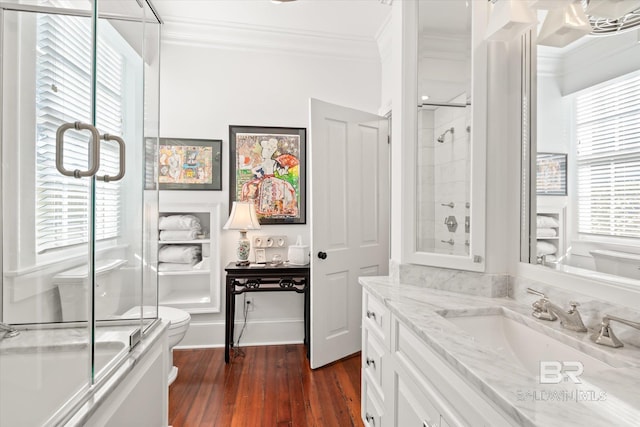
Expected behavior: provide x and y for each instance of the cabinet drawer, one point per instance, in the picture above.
(459, 403)
(376, 317)
(372, 409)
(373, 358)
(414, 407)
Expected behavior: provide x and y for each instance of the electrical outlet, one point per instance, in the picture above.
(249, 304)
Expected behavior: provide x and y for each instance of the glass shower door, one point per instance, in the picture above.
(78, 245)
(125, 200)
(47, 87)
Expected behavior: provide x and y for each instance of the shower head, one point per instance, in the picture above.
(441, 137)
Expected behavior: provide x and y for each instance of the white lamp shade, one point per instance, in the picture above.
(612, 9)
(549, 4)
(564, 26)
(243, 217)
(509, 19)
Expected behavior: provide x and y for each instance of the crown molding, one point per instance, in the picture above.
(259, 38)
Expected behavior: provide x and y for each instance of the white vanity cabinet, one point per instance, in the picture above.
(410, 384)
(376, 335)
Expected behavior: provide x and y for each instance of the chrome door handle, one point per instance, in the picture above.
(371, 363)
(371, 314)
(94, 150)
(122, 165)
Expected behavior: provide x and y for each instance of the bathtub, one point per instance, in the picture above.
(617, 263)
(39, 381)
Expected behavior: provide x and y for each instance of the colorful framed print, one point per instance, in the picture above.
(190, 164)
(268, 167)
(551, 177)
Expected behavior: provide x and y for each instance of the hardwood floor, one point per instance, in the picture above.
(268, 386)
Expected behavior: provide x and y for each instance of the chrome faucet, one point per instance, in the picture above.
(9, 331)
(606, 336)
(544, 309)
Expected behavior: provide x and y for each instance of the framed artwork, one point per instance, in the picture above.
(551, 177)
(190, 164)
(268, 167)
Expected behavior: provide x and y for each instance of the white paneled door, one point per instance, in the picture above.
(349, 175)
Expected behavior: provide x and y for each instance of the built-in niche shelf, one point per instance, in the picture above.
(184, 242)
(196, 290)
(184, 273)
(558, 217)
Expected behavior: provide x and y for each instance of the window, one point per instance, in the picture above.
(608, 160)
(63, 94)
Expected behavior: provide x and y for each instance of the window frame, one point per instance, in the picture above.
(599, 238)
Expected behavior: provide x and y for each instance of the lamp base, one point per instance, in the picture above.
(242, 263)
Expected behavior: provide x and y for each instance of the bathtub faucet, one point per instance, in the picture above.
(8, 330)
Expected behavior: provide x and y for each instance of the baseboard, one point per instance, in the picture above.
(259, 332)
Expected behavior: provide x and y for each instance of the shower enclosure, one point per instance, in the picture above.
(78, 129)
(443, 180)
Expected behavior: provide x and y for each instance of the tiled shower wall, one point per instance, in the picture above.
(443, 177)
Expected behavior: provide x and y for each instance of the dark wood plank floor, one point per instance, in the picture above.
(268, 386)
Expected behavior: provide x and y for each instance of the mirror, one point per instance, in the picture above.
(444, 128)
(585, 201)
(445, 224)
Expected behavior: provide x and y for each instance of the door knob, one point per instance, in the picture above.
(322, 255)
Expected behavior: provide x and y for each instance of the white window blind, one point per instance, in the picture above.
(63, 94)
(608, 132)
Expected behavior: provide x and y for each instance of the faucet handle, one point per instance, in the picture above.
(573, 305)
(537, 293)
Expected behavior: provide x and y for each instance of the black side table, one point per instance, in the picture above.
(268, 278)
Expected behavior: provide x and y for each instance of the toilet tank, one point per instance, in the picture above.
(618, 263)
(73, 286)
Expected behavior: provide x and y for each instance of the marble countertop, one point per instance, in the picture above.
(606, 397)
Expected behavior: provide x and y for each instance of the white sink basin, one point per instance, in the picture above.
(522, 344)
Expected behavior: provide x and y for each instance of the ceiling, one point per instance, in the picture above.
(349, 18)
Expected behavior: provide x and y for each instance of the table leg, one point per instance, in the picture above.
(228, 319)
(232, 319)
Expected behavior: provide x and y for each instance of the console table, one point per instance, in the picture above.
(267, 278)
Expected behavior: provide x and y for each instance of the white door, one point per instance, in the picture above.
(349, 175)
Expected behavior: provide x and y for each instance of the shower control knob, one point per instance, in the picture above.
(322, 255)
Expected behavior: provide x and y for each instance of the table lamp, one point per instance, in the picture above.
(243, 217)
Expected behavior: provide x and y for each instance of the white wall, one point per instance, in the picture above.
(205, 87)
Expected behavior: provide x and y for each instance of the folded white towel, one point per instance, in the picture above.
(546, 248)
(179, 222)
(543, 221)
(205, 264)
(179, 234)
(179, 254)
(174, 266)
(546, 232)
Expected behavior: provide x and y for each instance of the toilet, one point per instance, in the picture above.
(178, 325)
(618, 263)
(73, 287)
